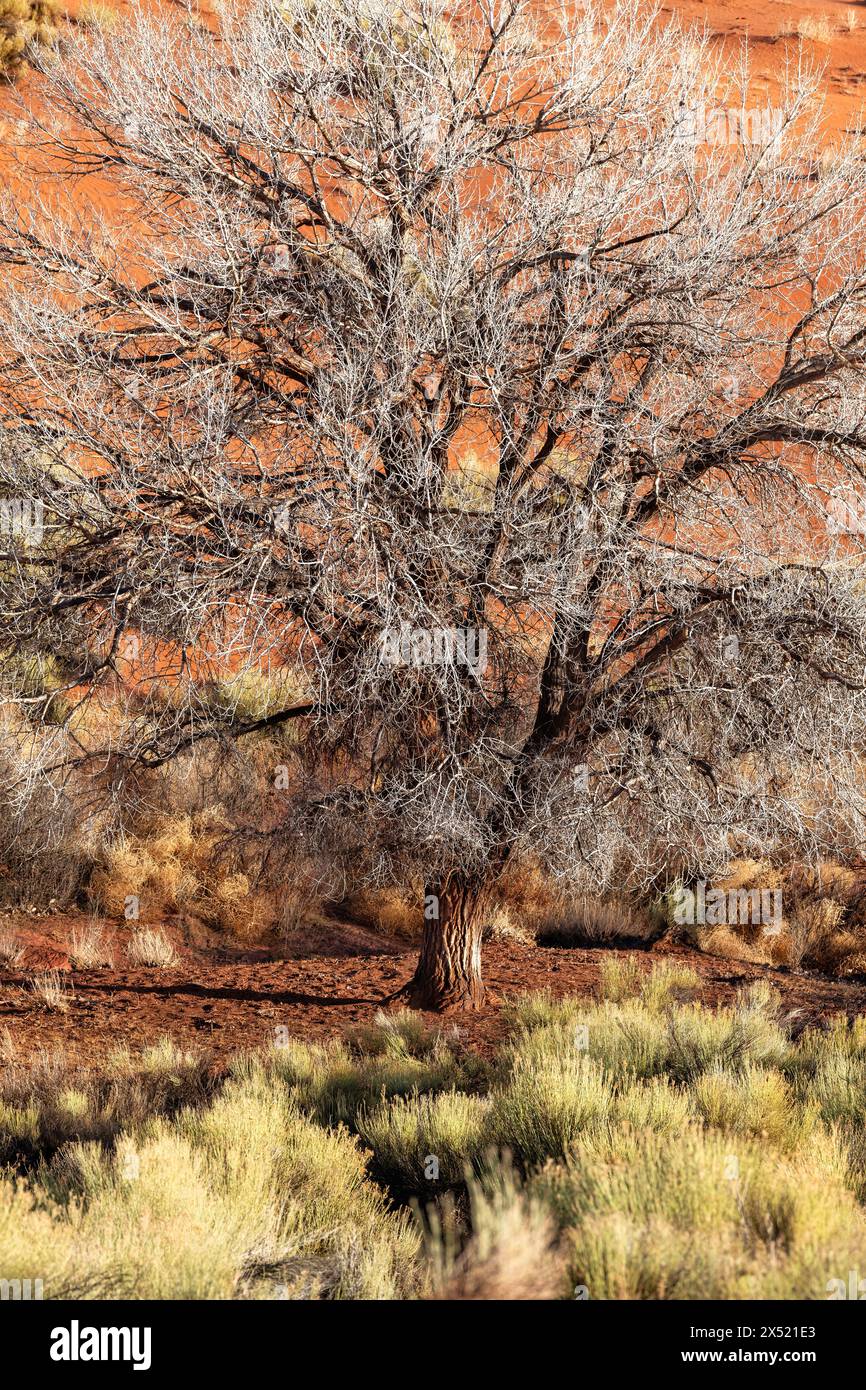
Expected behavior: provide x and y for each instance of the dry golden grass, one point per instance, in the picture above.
(500, 926)
(150, 946)
(814, 933)
(812, 28)
(299, 905)
(51, 991)
(233, 907)
(90, 947)
(93, 15)
(393, 911)
(531, 896)
(592, 921)
(125, 872)
(513, 1253)
(725, 942)
(749, 873)
(11, 950)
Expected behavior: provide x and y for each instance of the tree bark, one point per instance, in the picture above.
(448, 974)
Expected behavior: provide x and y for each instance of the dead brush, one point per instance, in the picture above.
(532, 898)
(390, 910)
(819, 926)
(728, 945)
(816, 28)
(814, 935)
(305, 885)
(233, 906)
(172, 864)
(499, 925)
(93, 15)
(593, 922)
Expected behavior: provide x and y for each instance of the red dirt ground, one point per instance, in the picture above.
(221, 1001)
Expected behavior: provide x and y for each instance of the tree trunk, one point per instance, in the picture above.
(448, 974)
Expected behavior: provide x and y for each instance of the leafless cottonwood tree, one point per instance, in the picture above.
(431, 352)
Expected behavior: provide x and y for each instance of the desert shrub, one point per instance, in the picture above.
(470, 485)
(46, 843)
(46, 1103)
(429, 1138)
(727, 943)
(541, 1009)
(232, 906)
(814, 935)
(630, 1038)
(837, 1087)
(393, 911)
(512, 1252)
(612, 1149)
(530, 893)
(820, 929)
(241, 1198)
(655, 1104)
(695, 1215)
(547, 1103)
(93, 15)
(23, 24)
(300, 901)
(123, 873)
(500, 925)
(33, 677)
(668, 981)
(839, 1036)
(306, 1187)
(172, 863)
(621, 978)
(755, 1101)
(403, 1033)
(814, 28)
(333, 1084)
(542, 1109)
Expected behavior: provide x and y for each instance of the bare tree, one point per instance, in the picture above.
(456, 364)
